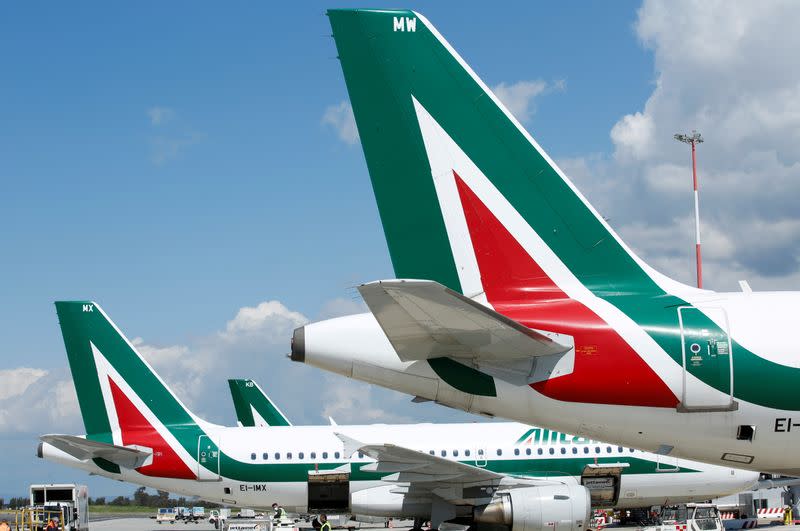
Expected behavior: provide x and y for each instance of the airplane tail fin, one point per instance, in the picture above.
(122, 400)
(457, 178)
(253, 406)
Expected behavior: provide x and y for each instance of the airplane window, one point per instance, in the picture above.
(516, 451)
(336, 455)
(277, 456)
(608, 449)
(499, 451)
(631, 449)
(619, 449)
(552, 451)
(563, 451)
(265, 456)
(527, 451)
(300, 455)
(480, 452)
(289, 455)
(597, 449)
(431, 452)
(253, 457)
(361, 455)
(539, 451)
(586, 449)
(444, 453)
(455, 453)
(466, 452)
(324, 455)
(313, 455)
(574, 450)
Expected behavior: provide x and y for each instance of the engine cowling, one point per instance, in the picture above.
(382, 501)
(544, 508)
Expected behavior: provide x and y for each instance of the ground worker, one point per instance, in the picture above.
(326, 525)
(279, 512)
(787, 516)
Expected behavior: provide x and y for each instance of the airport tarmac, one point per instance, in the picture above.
(145, 524)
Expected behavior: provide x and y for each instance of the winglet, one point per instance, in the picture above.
(351, 445)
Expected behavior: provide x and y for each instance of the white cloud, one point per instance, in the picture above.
(720, 68)
(16, 381)
(340, 117)
(520, 97)
(349, 402)
(160, 115)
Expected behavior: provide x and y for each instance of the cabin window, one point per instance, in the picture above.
(597, 449)
(455, 453)
(552, 451)
(277, 456)
(313, 455)
(539, 451)
(516, 451)
(300, 455)
(443, 453)
(253, 456)
(324, 455)
(288, 455)
(608, 449)
(361, 455)
(631, 449)
(265, 456)
(499, 451)
(574, 451)
(563, 451)
(466, 452)
(619, 449)
(586, 449)
(527, 451)
(336, 455)
(431, 452)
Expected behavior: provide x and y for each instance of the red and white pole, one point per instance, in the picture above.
(697, 218)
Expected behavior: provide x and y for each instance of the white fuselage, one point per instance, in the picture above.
(648, 479)
(355, 346)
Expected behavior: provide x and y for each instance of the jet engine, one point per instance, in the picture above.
(544, 508)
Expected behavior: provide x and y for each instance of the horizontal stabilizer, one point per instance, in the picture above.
(424, 319)
(85, 449)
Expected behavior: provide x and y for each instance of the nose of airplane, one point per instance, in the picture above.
(299, 345)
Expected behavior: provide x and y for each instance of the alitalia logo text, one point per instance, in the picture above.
(539, 436)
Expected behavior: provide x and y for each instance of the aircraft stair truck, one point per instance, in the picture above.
(67, 502)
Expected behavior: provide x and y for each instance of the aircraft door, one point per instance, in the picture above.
(603, 482)
(707, 359)
(207, 459)
(480, 457)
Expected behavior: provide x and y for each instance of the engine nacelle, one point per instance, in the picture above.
(381, 501)
(560, 507)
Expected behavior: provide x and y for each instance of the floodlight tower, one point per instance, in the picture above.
(694, 139)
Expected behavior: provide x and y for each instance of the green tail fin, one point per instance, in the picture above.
(433, 134)
(253, 406)
(102, 360)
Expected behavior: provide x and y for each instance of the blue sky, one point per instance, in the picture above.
(170, 161)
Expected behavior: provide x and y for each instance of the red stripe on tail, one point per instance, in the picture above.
(607, 370)
(137, 430)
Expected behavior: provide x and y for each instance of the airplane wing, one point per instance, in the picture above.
(85, 449)
(424, 319)
(404, 465)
